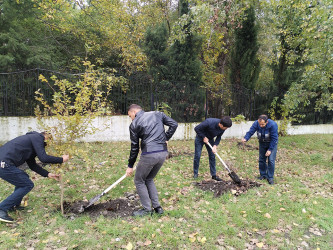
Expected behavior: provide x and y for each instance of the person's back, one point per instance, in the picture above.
(150, 129)
(18, 150)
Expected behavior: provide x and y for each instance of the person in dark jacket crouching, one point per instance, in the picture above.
(13, 154)
(267, 133)
(149, 127)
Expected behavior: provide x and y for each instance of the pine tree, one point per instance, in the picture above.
(155, 48)
(245, 66)
(184, 76)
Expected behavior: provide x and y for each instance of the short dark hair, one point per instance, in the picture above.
(134, 106)
(263, 117)
(226, 121)
(48, 134)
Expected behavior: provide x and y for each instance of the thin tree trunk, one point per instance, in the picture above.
(62, 194)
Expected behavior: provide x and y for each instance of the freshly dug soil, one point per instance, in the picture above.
(124, 207)
(221, 187)
(116, 208)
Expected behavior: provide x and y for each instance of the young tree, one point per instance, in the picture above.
(73, 108)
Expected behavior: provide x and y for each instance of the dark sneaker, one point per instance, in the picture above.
(19, 207)
(216, 178)
(159, 210)
(270, 181)
(260, 177)
(5, 217)
(142, 212)
(195, 176)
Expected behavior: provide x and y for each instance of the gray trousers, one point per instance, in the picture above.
(146, 170)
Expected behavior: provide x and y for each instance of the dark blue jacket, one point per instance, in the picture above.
(266, 134)
(210, 129)
(24, 149)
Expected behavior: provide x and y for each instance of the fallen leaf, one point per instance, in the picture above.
(147, 243)
(282, 209)
(129, 246)
(260, 244)
(203, 240)
(267, 215)
(305, 244)
(192, 239)
(220, 242)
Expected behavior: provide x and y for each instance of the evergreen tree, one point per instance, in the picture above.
(244, 64)
(155, 48)
(184, 77)
(26, 42)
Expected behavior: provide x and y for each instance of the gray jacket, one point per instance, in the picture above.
(149, 127)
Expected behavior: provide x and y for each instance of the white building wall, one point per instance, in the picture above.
(116, 128)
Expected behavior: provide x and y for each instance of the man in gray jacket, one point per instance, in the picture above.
(149, 127)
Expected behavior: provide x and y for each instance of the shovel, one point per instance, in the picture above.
(97, 197)
(232, 174)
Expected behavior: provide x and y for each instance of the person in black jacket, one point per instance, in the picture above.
(13, 154)
(149, 127)
(206, 132)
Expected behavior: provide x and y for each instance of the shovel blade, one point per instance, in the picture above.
(93, 200)
(235, 177)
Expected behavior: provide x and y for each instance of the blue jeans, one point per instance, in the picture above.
(266, 170)
(22, 183)
(198, 143)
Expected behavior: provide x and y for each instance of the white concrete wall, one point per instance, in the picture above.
(115, 128)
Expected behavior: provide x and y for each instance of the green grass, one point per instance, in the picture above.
(300, 205)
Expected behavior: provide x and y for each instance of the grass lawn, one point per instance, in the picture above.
(295, 213)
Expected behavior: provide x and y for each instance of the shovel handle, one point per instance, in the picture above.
(116, 183)
(225, 165)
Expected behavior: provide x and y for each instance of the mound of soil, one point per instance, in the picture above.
(116, 208)
(221, 187)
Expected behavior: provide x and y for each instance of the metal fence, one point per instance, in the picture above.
(186, 101)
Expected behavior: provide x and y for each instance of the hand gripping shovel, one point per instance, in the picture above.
(97, 197)
(232, 174)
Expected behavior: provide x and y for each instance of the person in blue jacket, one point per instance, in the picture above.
(267, 133)
(206, 132)
(13, 154)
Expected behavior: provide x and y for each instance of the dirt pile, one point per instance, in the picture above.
(122, 207)
(221, 187)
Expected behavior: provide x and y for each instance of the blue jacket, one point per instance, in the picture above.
(266, 134)
(210, 129)
(25, 148)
